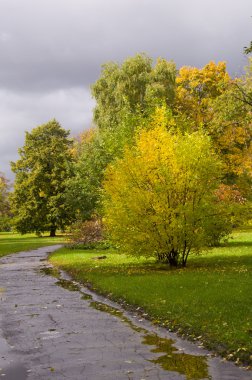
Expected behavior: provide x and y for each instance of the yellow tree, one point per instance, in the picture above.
(159, 199)
(196, 89)
(209, 99)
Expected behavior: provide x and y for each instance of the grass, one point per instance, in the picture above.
(209, 301)
(12, 242)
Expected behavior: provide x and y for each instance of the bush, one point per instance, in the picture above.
(160, 198)
(87, 234)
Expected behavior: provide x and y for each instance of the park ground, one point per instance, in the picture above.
(210, 301)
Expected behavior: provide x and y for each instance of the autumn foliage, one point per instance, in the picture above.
(159, 199)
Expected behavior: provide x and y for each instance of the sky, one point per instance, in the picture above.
(51, 51)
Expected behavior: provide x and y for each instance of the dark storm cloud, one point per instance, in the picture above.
(52, 50)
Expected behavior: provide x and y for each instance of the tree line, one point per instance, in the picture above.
(166, 168)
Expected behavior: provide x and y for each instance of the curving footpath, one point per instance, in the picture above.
(67, 332)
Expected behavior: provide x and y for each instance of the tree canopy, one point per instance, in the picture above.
(134, 86)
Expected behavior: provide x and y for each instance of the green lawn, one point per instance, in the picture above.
(210, 300)
(12, 242)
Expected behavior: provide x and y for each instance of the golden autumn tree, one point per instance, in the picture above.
(196, 89)
(160, 198)
(210, 100)
(231, 132)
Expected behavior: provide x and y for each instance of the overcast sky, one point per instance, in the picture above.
(51, 51)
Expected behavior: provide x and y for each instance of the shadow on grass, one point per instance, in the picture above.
(237, 244)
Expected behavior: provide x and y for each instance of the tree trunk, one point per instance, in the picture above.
(53, 232)
(173, 258)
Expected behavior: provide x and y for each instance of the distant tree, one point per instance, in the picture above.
(160, 199)
(231, 132)
(208, 99)
(3, 192)
(83, 189)
(4, 204)
(45, 164)
(196, 90)
(134, 87)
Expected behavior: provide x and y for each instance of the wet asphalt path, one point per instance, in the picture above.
(49, 332)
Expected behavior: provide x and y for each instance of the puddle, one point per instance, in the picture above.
(66, 284)
(86, 296)
(113, 311)
(193, 367)
(50, 271)
(69, 285)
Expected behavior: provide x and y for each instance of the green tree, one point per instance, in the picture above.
(83, 189)
(4, 204)
(134, 86)
(45, 163)
(160, 198)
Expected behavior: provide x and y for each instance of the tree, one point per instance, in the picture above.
(133, 87)
(45, 163)
(197, 88)
(231, 132)
(83, 188)
(243, 85)
(209, 99)
(3, 192)
(160, 198)
(4, 204)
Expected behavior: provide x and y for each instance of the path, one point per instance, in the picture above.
(49, 332)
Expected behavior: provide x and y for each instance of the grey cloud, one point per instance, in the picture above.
(52, 50)
(47, 44)
(21, 112)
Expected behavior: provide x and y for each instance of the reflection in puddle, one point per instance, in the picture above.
(50, 271)
(2, 290)
(193, 367)
(66, 284)
(69, 285)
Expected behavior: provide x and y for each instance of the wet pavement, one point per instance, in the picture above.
(53, 328)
